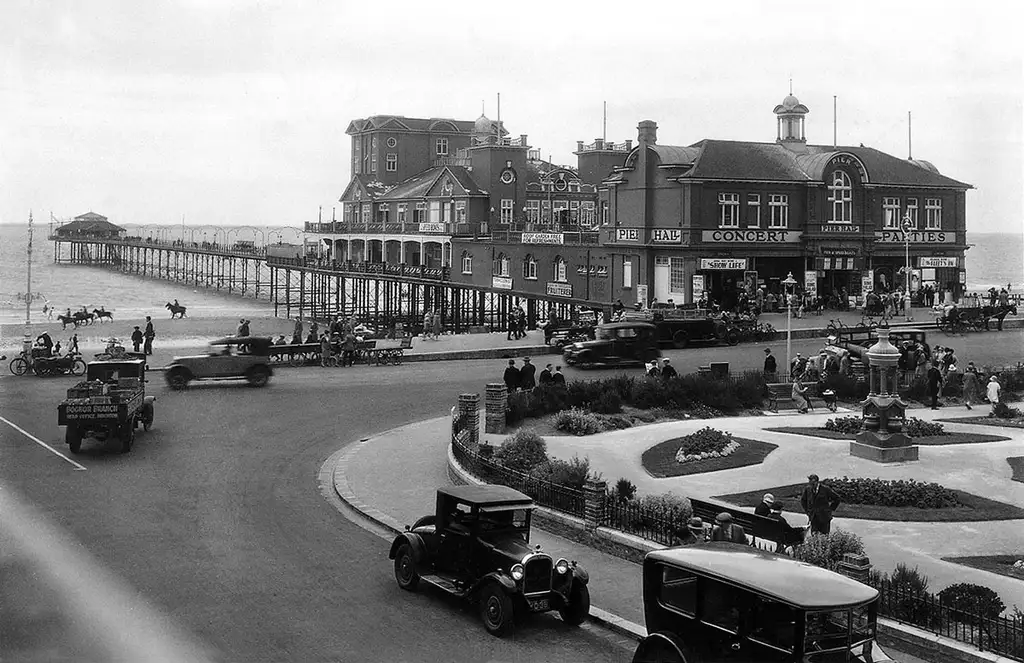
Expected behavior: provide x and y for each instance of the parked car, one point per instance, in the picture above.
(233, 357)
(477, 546)
(730, 602)
(614, 344)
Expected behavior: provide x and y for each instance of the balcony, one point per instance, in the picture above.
(452, 161)
(604, 146)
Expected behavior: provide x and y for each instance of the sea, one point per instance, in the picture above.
(994, 260)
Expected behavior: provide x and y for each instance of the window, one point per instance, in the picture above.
(467, 263)
(420, 213)
(357, 157)
(559, 270)
(933, 213)
(778, 203)
(891, 213)
(533, 211)
(350, 213)
(604, 213)
(753, 210)
(441, 146)
(840, 195)
(501, 265)
(401, 212)
(676, 277)
(366, 213)
(678, 590)
(729, 204)
(587, 215)
(460, 211)
(373, 156)
(506, 210)
(392, 141)
(720, 605)
(574, 211)
(530, 268)
(392, 163)
(627, 273)
(383, 213)
(545, 212)
(912, 212)
(435, 211)
(560, 212)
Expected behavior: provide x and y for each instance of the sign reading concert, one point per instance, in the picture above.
(750, 236)
(543, 238)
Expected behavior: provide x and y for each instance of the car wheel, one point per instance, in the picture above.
(259, 376)
(578, 609)
(127, 435)
(78, 367)
(732, 338)
(39, 368)
(177, 379)
(147, 416)
(680, 339)
(661, 651)
(74, 438)
(405, 569)
(496, 610)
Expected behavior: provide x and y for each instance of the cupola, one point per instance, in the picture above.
(790, 114)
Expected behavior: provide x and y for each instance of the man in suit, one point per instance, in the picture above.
(558, 380)
(819, 502)
(545, 376)
(511, 376)
(726, 530)
(526, 373)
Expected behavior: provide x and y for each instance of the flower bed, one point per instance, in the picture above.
(1011, 566)
(660, 460)
(705, 443)
(928, 440)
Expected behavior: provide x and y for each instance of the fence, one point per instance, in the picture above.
(965, 623)
(631, 518)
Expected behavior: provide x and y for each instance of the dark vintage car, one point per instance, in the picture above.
(615, 343)
(477, 546)
(730, 602)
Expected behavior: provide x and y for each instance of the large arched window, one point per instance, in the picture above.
(501, 265)
(558, 273)
(530, 268)
(840, 195)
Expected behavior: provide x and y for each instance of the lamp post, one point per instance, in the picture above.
(788, 283)
(908, 227)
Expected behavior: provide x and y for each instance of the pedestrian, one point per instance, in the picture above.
(771, 367)
(819, 502)
(428, 325)
(325, 350)
(558, 380)
(526, 373)
(511, 376)
(934, 384)
(652, 369)
(799, 399)
(726, 530)
(73, 348)
(136, 339)
(297, 332)
(668, 371)
(970, 385)
(436, 325)
(520, 323)
(513, 325)
(797, 366)
(348, 349)
(992, 391)
(691, 534)
(765, 507)
(245, 327)
(149, 335)
(544, 378)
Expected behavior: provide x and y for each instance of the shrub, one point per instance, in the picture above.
(518, 407)
(667, 506)
(607, 403)
(701, 411)
(915, 427)
(705, 440)
(623, 491)
(581, 393)
(578, 422)
(616, 422)
(827, 550)
(909, 579)
(572, 473)
(908, 598)
(522, 451)
(918, 390)
(1004, 411)
(896, 492)
(646, 416)
(968, 601)
(847, 387)
(844, 424)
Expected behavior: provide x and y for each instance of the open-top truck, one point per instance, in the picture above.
(109, 404)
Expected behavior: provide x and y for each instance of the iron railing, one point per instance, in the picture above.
(632, 518)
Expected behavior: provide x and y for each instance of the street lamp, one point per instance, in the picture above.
(788, 283)
(908, 227)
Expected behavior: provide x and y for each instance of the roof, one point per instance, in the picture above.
(420, 184)
(401, 123)
(89, 223)
(485, 494)
(735, 160)
(90, 216)
(780, 577)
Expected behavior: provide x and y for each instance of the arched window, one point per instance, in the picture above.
(840, 195)
(501, 265)
(530, 268)
(467, 262)
(559, 270)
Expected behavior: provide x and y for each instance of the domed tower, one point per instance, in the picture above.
(484, 132)
(790, 114)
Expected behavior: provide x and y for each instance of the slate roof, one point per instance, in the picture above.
(418, 185)
(410, 123)
(89, 223)
(369, 183)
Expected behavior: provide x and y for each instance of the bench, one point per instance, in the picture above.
(717, 370)
(757, 528)
(295, 353)
(783, 391)
(388, 351)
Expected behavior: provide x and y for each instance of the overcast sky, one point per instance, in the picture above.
(235, 112)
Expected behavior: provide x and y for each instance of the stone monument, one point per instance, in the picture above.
(881, 437)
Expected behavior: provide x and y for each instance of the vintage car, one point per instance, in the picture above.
(477, 546)
(615, 343)
(730, 602)
(233, 357)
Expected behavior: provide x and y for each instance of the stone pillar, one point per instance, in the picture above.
(594, 496)
(469, 412)
(855, 566)
(495, 407)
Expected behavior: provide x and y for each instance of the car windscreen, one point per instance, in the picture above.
(830, 630)
(504, 522)
(605, 334)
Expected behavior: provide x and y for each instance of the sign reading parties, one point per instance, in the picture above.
(916, 237)
(938, 261)
(750, 236)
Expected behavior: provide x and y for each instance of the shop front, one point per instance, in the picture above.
(839, 277)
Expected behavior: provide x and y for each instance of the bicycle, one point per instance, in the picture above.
(20, 364)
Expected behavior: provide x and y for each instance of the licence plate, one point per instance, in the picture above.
(538, 605)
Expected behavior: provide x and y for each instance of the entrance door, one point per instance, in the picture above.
(662, 277)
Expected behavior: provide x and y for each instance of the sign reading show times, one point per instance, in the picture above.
(916, 237)
(666, 236)
(559, 289)
(627, 234)
(502, 282)
(738, 264)
(543, 238)
(938, 261)
(750, 236)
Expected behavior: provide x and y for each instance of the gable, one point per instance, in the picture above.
(392, 123)
(446, 184)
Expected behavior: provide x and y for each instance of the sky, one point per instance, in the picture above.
(234, 113)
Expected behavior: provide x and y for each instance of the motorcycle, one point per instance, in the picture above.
(71, 363)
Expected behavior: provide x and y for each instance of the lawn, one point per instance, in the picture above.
(975, 508)
(987, 421)
(1001, 564)
(1017, 465)
(660, 460)
(929, 440)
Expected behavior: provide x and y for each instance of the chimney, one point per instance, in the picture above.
(599, 143)
(522, 138)
(647, 132)
(579, 146)
(629, 145)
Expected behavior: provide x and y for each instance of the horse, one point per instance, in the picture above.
(66, 320)
(999, 313)
(100, 315)
(84, 318)
(176, 310)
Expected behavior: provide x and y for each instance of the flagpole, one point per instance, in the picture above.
(27, 341)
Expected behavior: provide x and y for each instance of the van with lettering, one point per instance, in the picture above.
(109, 404)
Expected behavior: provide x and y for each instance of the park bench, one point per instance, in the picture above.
(297, 354)
(783, 392)
(758, 528)
(717, 370)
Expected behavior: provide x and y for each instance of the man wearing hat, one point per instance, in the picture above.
(667, 370)
(770, 366)
(689, 535)
(726, 530)
(765, 507)
(526, 373)
(511, 376)
(819, 502)
(136, 339)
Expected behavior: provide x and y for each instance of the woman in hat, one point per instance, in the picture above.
(691, 534)
(992, 391)
(798, 396)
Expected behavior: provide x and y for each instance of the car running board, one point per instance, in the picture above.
(446, 584)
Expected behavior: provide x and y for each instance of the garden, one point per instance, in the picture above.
(920, 431)
(706, 450)
(1001, 414)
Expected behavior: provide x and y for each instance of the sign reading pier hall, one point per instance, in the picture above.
(750, 236)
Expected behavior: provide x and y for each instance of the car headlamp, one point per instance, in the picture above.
(562, 566)
(518, 572)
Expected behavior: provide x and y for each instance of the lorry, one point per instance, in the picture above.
(682, 327)
(109, 404)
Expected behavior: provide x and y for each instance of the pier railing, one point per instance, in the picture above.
(412, 271)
